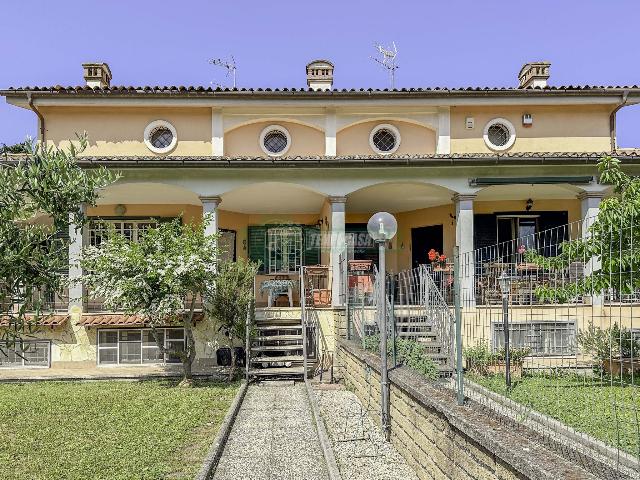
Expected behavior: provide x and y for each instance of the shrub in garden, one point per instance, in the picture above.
(409, 353)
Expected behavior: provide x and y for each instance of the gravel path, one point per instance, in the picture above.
(273, 437)
(358, 444)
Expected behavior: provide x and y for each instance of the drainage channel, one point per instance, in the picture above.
(276, 434)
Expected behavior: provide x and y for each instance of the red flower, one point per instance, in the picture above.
(522, 249)
(432, 255)
(443, 258)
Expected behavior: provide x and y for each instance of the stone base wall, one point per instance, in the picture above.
(442, 440)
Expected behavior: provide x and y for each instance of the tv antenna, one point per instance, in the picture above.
(228, 65)
(387, 60)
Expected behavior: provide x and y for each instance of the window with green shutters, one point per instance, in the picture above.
(283, 248)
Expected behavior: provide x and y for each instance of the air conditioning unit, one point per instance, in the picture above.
(470, 123)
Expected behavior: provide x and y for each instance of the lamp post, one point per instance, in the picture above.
(505, 287)
(382, 227)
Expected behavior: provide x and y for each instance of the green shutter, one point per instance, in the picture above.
(257, 240)
(311, 245)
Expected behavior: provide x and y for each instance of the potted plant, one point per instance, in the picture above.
(615, 348)
(438, 261)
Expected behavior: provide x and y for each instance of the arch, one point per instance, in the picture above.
(273, 120)
(272, 198)
(397, 196)
(387, 118)
(245, 141)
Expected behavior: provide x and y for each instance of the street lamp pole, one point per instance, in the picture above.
(382, 227)
(505, 287)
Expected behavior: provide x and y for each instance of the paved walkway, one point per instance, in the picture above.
(273, 437)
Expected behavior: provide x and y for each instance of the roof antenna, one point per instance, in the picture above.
(387, 59)
(229, 65)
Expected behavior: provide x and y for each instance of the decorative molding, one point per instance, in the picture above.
(463, 197)
(585, 195)
(443, 146)
(213, 200)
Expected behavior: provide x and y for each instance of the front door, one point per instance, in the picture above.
(424, 239)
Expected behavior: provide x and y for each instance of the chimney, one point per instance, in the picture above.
(320, 75)
(97, 74)
(534, 74)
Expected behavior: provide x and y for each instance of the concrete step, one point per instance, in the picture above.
(279, 326)
(279, 338)
(278, 321)
(283, 358)
(276, 371)
(276, 348)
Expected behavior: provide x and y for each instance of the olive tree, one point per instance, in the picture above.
(43, 182)
(159, 278)
(232, 301)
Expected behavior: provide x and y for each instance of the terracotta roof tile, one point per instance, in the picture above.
(54, 320)
(118, 320)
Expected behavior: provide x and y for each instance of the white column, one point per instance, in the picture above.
(210, 206)
(590, 206)
(444, 131)
(330, 133)
(337, 245)
(76, 290)
(464, 240)
(217, 133)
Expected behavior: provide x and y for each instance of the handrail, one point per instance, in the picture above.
(303, 318)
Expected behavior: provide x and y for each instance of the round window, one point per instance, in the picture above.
(275, 140)
(160, 136)
(499, 134)
(384, 139)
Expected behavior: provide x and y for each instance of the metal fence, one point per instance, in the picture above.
(551, 335)
(550, 331)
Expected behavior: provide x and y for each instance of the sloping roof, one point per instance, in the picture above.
(119, 320)
(185, 90)
(53, 320)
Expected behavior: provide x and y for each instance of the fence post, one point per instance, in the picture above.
(457, 301)
(393, 320)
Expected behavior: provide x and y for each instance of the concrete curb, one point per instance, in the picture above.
(217, 447)
(325, 443)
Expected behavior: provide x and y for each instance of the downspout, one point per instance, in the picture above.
(40, 117)
(612, 120)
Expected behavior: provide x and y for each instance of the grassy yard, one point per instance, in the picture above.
(608, 412)
(108, 429)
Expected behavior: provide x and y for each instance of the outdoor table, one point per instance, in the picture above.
(277, 287)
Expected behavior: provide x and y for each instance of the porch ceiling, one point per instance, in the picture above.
(272, 197)
(397, 197)
(524, 192)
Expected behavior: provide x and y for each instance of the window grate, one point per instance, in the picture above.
(384, 140)
(543, 338)
(285, 249)
(275, 141)
(498, 135)
(161, 138)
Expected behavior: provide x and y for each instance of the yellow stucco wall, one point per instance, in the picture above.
(354, 140)
(245, 140)
(120, 131)
(554, 129)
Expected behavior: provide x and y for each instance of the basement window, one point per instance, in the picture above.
(384, 139)
(544, 338)
(138, 346)
(26, 354)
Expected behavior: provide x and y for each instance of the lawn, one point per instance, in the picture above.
(108, 429)
(607, 412)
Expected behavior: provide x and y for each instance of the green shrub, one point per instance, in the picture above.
(612, 342)
(410, 353)
(481, 355)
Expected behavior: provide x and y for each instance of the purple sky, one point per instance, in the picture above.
(441, 43)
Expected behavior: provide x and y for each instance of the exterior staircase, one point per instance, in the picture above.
(421, 329)
(277, 345)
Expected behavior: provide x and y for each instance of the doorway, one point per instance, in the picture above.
(424, 239)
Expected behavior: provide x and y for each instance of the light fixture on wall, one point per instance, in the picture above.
(120, 210)
(529, 205)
